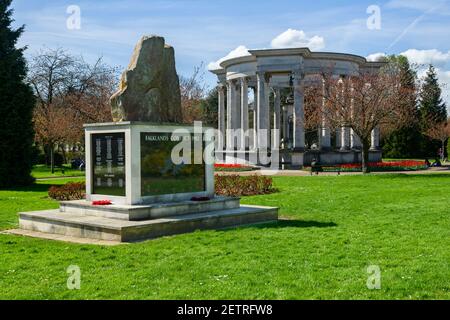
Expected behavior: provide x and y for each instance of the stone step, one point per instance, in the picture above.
(94, 227)
(150, 211)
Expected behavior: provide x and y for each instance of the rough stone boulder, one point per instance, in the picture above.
(149, 89)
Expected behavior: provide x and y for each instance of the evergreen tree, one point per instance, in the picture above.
(16, 106)
(431, 106)
(404, 143)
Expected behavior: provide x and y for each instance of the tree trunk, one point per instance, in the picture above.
(365, 157)
(443, 151)
(63, 152)
(47, 154)
(52, 158)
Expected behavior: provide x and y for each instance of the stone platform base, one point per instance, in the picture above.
(150, 211)
(58, 237)
(101, 223)
(295, 160)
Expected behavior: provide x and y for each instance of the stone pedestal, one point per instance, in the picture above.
(160, 180)
(146, 152)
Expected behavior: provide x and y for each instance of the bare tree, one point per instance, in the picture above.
(363, 102)
(69, 92)
(50, 73)
(193, 91)
(438, 130)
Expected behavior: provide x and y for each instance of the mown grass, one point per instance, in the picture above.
(27, 199)
(336, 227)
(42, 171)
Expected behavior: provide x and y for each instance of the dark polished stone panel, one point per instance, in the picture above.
(160, 175)
(108, 159)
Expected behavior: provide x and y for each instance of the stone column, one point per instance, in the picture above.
(231, 114)
(237, 116)
(338, 138)
(299, 113)
(355, 142)
(285, 127)
(255, 119)
(276, 119)
(244, 114)
(345, 138)
(324, 132)
(263, 121)
(221, 116)
(375, 139)
(325, 138)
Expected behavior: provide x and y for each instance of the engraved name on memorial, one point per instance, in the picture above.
(109, 164)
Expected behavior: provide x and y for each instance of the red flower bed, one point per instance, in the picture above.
(232, 167)
(228, 165)
(405, 165)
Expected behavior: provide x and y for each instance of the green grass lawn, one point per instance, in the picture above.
(42, 171)
(339, 225)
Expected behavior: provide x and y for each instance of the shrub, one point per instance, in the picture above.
(69, 191)
(235, 185)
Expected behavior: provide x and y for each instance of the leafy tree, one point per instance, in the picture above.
(405, 142)
(431, 106)
(16, 106)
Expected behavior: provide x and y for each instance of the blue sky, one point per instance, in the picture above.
(206, 30)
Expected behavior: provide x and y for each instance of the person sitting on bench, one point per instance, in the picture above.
(315, 167)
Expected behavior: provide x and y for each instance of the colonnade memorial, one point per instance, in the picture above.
(256, 126)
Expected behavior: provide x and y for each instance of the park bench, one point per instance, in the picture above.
(317, 167)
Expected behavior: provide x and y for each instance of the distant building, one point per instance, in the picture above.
(253, 78)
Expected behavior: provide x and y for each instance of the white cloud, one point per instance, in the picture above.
(375, 56)
(432, 56)
(240, 51)
(289, 39)
(292, 38)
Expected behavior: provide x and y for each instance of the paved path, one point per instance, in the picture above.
(297, 173)
(302, 173)
(59, 178)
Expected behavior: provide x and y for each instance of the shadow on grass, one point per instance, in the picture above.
(37, 187)
(290, 224)
(415, 176)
